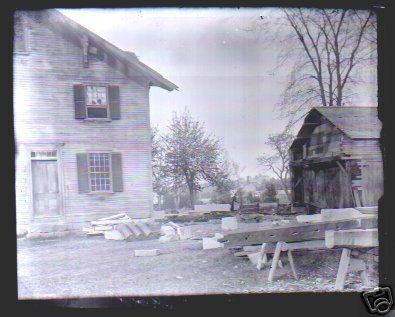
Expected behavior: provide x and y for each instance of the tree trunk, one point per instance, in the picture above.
(159, 202)
(191, 195)
(177, 201)
(285, 188)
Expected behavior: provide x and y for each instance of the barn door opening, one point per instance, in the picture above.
(45, 182)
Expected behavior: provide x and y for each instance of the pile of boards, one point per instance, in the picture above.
(122, 227)
(344, 228)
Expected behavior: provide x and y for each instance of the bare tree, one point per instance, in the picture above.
(326, 50)
(278, 163)
(193, 156)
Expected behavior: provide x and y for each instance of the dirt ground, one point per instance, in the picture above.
(79, 266)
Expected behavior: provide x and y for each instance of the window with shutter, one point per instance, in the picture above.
(99, 172)
(97, 102)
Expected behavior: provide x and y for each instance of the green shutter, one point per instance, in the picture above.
(116, 166)
(82, 170)
(79, 102)
(115, 103)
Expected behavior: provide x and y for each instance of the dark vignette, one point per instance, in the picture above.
(322, 304)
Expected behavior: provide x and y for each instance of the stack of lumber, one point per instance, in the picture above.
(346, 228)
(98, 227)
(121, 227)
(309, 228)
(197, 216)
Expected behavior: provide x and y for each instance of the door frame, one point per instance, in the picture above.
(46, 147)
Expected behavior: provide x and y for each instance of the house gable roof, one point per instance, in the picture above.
(355, 122)
(128, 59)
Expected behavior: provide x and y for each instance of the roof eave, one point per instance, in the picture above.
(153, 77)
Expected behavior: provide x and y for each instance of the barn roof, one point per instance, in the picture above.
(355, 122)
(129, 59)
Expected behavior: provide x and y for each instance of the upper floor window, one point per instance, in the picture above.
(96, 102)
(20, 34)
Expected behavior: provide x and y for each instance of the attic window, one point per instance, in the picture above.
(97, 104)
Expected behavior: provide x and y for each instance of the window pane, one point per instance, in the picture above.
(96, 95)
(99, 167)
(97, 112)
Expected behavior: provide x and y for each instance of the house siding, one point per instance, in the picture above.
(44, 112)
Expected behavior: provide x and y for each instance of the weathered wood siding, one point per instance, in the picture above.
(324, 141)
(327, 187)
(44, 112)
(324, 184)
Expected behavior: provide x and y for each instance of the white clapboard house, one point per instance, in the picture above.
(82, 125)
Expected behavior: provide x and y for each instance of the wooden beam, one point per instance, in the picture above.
(292, 264)
(357, 238)
(297, 183)
(288, 233)
(341, 167)
(276, 258)
(262, 257)
(357, 200)
(343, 269)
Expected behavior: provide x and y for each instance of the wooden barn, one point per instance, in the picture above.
(82, 125)
(336, 160)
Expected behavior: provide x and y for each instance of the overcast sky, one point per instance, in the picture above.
(221, 64)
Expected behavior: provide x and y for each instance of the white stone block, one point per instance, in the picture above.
(340, 214)
(229, 223)
(211, 243)
(113, 235)
(184, 232)
(309, 218)
(218, 236)
(167, 230)
(151, 252)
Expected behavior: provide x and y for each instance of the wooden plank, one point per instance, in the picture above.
(276, 258)
(309, 218)
(292, 264)
(109, 222)
(343, 269)
(288, 233)
(118, 216)
(306, 245)
(358, 238)
(356, 198)
(369, 222)
(262, 257)
(252, 248)
(372, 182)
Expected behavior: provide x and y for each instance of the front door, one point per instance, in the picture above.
(45, 188)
